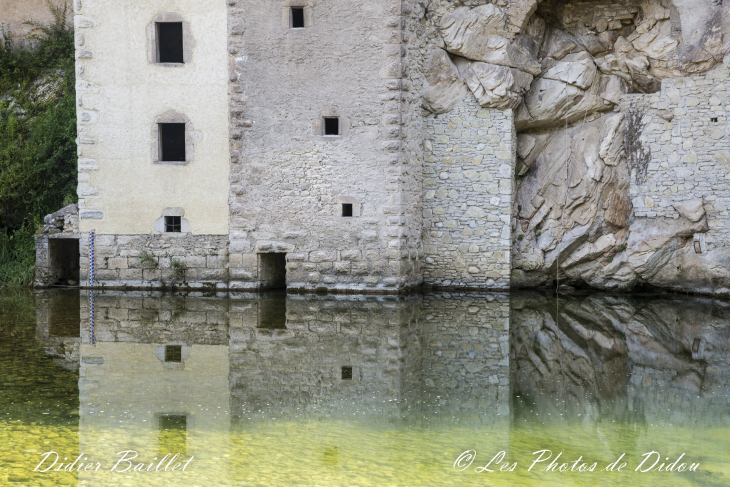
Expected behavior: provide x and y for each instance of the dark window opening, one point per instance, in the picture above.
(346, 372)
(170, 42)
(272, 271)
(173, 224)
(714, 119)
(331, 126)
(173, 353)
(172, 142)
(696, 345)
(347, 209)
(297, 18)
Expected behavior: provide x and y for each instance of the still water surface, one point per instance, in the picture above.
(278, 390)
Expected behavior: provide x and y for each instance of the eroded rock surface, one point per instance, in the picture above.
(564, 75)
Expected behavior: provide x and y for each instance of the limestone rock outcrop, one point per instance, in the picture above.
(445, 87)
(564, 75)
(476, 34)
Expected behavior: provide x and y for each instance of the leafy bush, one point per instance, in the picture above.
(38, 160)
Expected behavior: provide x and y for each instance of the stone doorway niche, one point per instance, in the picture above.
(272, 271)
(63, 256)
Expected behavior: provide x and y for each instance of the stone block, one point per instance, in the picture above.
(118, 263)
(194, 261)
(342, 267)
(241, 274)
(151, 274)
(107, 274)
(130, 274)
(320, 256)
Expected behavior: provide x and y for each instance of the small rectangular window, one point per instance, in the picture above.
(346, 209)
(173, 353)
(713, 120)
(297, 18)
(331, 126)
(172, 142)
(346, 372)
(170, 42)
(173, 224)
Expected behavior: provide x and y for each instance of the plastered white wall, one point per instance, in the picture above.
(119, 95)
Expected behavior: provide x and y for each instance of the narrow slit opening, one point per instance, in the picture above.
(331, 126)
(297, 18)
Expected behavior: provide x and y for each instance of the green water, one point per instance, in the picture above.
(362, 391)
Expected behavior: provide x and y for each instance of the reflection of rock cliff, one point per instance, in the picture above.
(609, 356)
(568, 76)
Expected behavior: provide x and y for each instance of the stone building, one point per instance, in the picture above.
(384, 145)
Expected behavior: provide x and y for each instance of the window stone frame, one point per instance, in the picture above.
(344, 122)
(184, 224)
(153, 53)
(286, 19)
(356, 207)
(191, 138)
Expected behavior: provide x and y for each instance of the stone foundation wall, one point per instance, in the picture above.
(467, 197)
(204, 260)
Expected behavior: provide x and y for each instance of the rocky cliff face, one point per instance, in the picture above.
(578, 148)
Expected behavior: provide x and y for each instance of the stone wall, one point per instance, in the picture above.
(686, 129)
(123, 189)
(467, 192)
(57, 248)
(288, 181)
(143, 261)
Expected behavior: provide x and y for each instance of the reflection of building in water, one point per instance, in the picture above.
(156, 381)
(57, 325)
(388, 357)
(654, 360)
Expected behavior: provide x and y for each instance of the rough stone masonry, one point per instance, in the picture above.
(391, 144)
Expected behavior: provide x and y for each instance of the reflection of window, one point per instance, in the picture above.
(173, 434)
(272, 312)
(346, 372)
(173, 353)
(330, 455)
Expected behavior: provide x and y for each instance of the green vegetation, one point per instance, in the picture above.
(147, 257)
(37, 141)
(178, 270)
